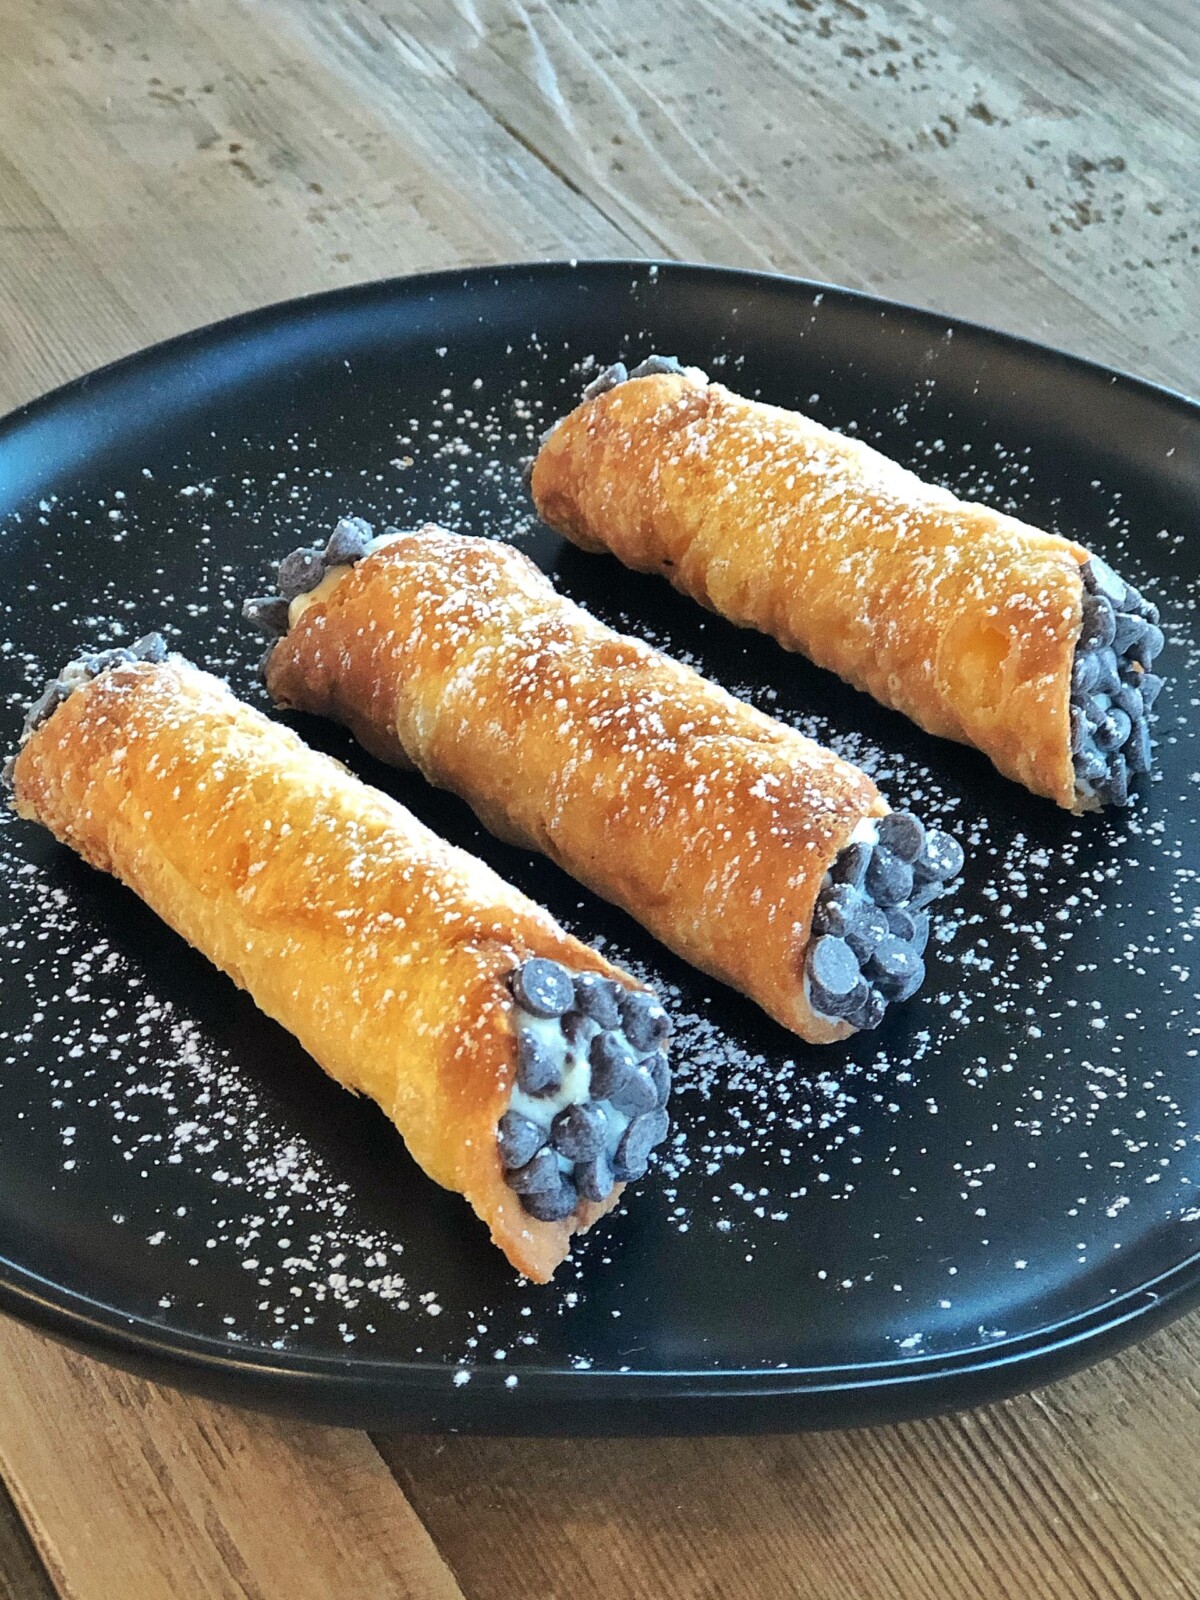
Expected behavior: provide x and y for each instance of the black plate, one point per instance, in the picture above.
(996, 1187)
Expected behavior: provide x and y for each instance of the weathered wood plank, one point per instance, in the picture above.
(1083, 1492)
(136, 1493)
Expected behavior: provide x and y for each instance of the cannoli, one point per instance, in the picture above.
(521, 1068)
(977, 626)
(748, 849)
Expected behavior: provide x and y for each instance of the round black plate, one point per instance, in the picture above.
(997, 1186)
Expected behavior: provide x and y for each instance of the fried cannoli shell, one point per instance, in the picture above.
(710, 823)
(386, 951)
(962, 618)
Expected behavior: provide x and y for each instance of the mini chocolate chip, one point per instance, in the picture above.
(554, 1205)
(896, 969)
(300, 572)
(538, 1072)
(539, 1175)
(889, 880)
(851, 864)
(1130, 631)
(635, 1093)
(646, 1023)
(660, 1071)
(869, 926)
(900, 924)
(1150, 687)
(1129, 699)
(833, 969)
(578, 1030)
(543, 987)
(1152, 645)
(1139, 752)
(1090, 764)
(348, 542)
(268, 613)
(652, 366)
(1099, 622)
(902, 834)
(943, 855)
(519, 1138)
(606, 380)
(1114, 730)
(579, 1131)
(594, 1179)
(612, 1059)
(151, 647)
(1108, 677)
(1099, 578)
(1084, 672)
(599, 998)
(868, 1013)
(1095, 709)
(835, 909)
(639, 1138)
(1118, 781)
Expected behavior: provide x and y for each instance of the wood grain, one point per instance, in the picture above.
(130, 1490)
(1084, 1490)
(1030, 164)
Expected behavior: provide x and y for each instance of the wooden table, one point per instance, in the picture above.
(1036, 166)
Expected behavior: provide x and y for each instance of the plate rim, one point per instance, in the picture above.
(326, 1385)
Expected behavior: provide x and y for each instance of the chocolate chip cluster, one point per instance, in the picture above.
(1112, 687)
(301, 571)
(592, 1086)
(870, 926)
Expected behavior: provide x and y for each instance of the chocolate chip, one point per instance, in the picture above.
(900, 924)
(539, 1175)
(942, 856)
(599, 998)
(594, 1178)
(1150, 687)
(1090, 765)
(1099, 622)
(300, 572)
(639, 1138)
(1139, 752)
(652, 366)
(1130, 631)
(578, 1030)
(902, 834)
(151, 647)
(611, 1059)
(1084, 672)
(896, 969)
(578, 1132)
(1108, 679)
(538, 1072)
(868, 1012)
(606, 380)
(553, 1205)
(646, 1023)
(1079, 729)
(348, 542)
(660, 1071)
(636, 1092)
(869, 926)
(543, 987)
(851, 864)
(920, 936)
(1130, 701)
(1099, 578)
(889, 880)
(268, 613)
(834, 910)
(833, 971)
(1152, 645)
(519, 1138)
(1119, 781)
